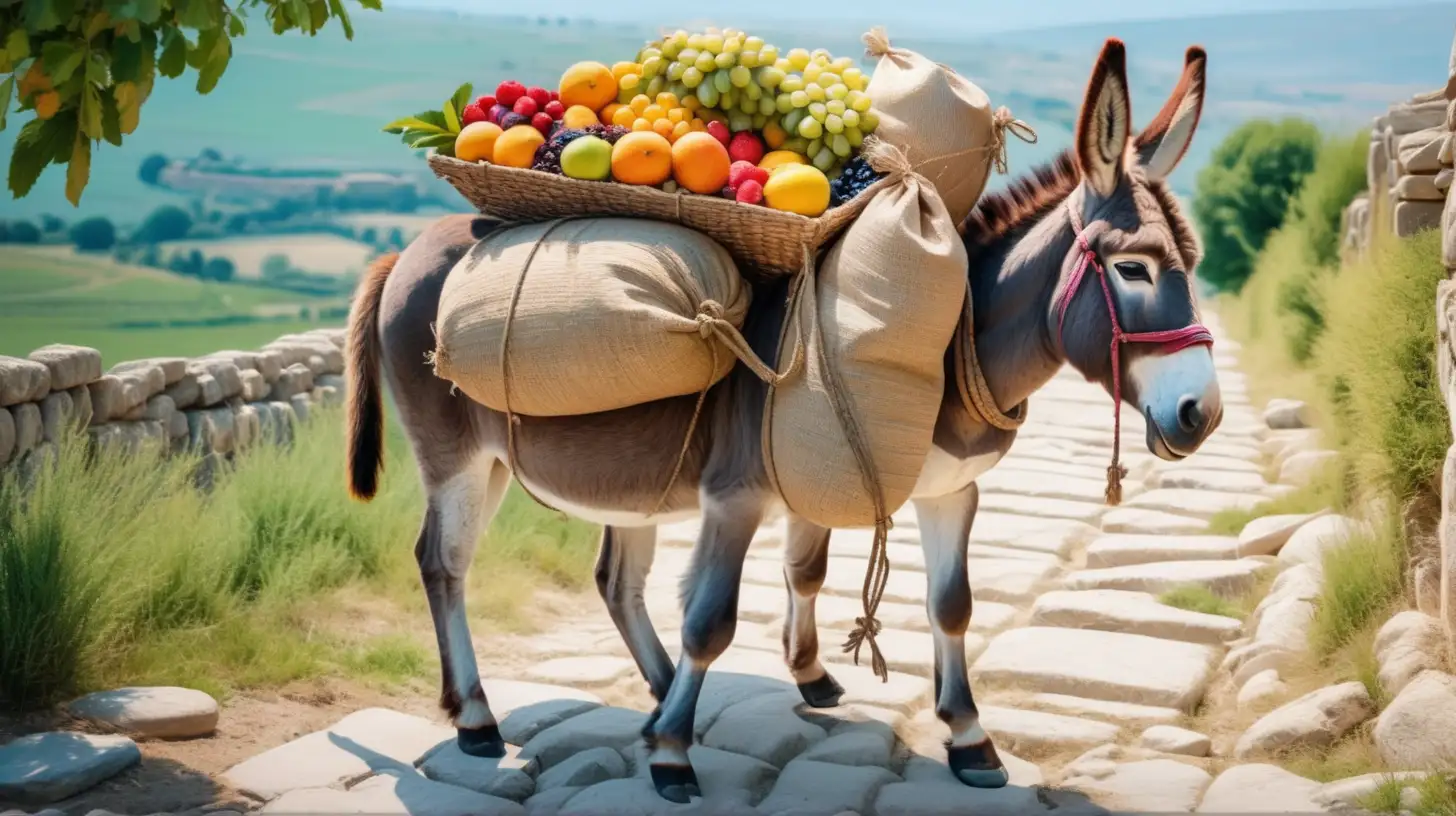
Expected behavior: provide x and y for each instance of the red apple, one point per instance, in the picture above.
(543, 122)
(555, 108)
(745, 147)
(526, 106)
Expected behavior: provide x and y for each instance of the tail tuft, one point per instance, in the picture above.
(364, 409)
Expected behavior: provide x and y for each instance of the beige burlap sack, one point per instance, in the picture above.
(942, 121)
(581, 316)
(856, 418)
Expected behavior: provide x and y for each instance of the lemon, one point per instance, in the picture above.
(798, 188)
(775, 159)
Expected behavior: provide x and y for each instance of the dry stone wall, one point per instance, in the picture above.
(214, 405)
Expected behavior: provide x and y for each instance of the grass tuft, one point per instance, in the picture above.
(1195, 598)
(1325, 491)
(1363, 582)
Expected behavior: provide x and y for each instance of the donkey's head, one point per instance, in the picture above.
(1134, 257)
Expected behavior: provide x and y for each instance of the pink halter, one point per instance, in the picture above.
(1172, 340)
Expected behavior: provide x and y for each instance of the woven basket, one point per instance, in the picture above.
(772, 240)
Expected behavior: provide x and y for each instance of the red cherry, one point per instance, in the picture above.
(543, 122)
(485, 101)
(555, 108)
(526, 106)
(473, 113)
(541, 95)
(509, 91)
(719, 131)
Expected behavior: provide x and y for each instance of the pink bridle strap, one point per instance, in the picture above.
(1170, 341)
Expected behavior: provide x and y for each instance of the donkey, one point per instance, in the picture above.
(1102, 211)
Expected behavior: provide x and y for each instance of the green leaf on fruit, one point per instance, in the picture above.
(412, 123)
(336, 7)
(61, 60)
(78, 171)
(452, 119)
(7, 90)
(174, 54)
(110, 117)
(126, 60)
(436, 140)
(91, 112)
(460, 99)
(17, 45)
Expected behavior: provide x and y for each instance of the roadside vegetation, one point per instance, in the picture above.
(116, 570)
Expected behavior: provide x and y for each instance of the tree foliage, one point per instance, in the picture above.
(166, 223)
(1245, 192)
(85, 68)
(94, 234)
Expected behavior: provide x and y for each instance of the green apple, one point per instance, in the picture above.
(587, 157)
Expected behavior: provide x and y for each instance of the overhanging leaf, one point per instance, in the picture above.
(36, 147)
(215, 61)
(17, 44)
(146, 11)
(318, 14)
(110, 117)
(174, 54)
(97, 24)
(98, 69)
(61, 60)
(128, 105)
(372, 5)
(91, 112)
(126, 60)
(337, 8)
(201, 15)
(7, 90)
(44, 15)
(78, 170)
(236, 27)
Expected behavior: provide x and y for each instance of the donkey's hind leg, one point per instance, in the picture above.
(806, 560)
(710, 617)
(622, 566)
(945, 530)
(456, 510)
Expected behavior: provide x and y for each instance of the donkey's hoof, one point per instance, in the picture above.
(822, 693)
(481, 742)
(977, 766)
(676, 783)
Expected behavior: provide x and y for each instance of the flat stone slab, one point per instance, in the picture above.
(766, 728)
(1148, 786)
(1134, 613)
(1260, 789)
(1204, 504)
(506, 696)
(1084, 489)
(723, 776)
(1048, 535)
(606, 727)
(373, 740)
(1227, 481)
(1029, 731)
(1125, 549)
(1150, 522)
(1121, 713)
(1202, 462)
(904, 650)
(1009, 580)
(584, 769)
(1172, 740)
(839, 611)
(825, 789)
(903, 692)
(509, 777)
(1099, 665)
(1227, 578)
(527, 721)
(587, 670)
(396, 793)
(166, 712)
(48, 767)
(1083, 511)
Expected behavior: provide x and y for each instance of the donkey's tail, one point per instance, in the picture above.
(365, 410)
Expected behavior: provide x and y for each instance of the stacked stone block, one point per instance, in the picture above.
(213, 405)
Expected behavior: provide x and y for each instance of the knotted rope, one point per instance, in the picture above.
(1171, 341)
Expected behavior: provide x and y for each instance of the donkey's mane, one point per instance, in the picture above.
(1023, 203)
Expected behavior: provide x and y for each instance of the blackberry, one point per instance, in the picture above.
(853, 179)
(547, 159)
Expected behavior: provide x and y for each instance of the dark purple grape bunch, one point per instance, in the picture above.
(856, 176)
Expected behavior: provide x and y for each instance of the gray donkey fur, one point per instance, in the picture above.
(610, 468)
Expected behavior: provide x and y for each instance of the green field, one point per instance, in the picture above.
(52, 295)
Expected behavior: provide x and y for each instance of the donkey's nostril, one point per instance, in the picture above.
(1190, 414)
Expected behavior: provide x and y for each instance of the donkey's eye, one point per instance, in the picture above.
(1133, 270)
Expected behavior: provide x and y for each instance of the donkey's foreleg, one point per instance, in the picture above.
(710, 617)
(456, 510)
(806, 560)
(622, 566)
(945, 530)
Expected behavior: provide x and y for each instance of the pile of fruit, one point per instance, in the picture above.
(714, 113)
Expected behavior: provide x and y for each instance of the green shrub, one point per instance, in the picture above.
(1245, 191)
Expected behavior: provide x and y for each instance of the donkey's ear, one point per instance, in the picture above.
(1106, 120)
(1161, 146)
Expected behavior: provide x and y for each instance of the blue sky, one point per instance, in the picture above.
(925, 15)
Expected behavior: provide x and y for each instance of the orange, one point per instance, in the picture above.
(610, 111)
(517, 146)
(588, 83)
(579, 116)
(624, 117)
(476, 142)
(642, 157)
(700, 163)
(663, 128)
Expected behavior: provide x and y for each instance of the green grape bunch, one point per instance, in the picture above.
(86, 67)
(809, 102)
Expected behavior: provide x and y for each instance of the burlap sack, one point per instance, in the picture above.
(875, 326)
(941, 120)
(610, 312)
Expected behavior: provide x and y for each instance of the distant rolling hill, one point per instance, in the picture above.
(300, 101)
